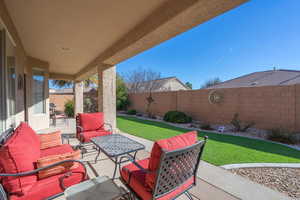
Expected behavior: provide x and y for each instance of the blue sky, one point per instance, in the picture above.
(256, 36)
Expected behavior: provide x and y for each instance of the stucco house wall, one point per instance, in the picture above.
(173, 85)
(24, 65)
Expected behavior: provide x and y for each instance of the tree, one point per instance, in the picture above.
(211, 82)
(189, 85)
(91, 81)
(121, 93)
(144, 81)
(62, 83)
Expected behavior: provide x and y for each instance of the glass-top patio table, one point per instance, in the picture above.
(116, 145)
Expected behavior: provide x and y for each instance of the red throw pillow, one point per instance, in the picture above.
(91, 121)
(170, 144)
(48, 160)
(19, 154)
(50, 140)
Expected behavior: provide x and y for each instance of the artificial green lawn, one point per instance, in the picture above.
(220, 149)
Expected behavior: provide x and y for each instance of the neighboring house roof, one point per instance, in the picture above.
(68, 90)
(162, 83)
(264, 78)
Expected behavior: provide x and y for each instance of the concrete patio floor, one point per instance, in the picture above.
(213, 183)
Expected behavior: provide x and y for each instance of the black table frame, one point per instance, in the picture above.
(115, 157)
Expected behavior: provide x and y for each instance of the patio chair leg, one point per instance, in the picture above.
(132, 196)
(188, 195)
(97, 156)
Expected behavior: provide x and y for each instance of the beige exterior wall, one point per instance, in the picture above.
(269, 107)
(6, 22)
(78, 98)
(171, 85)
(174, 85)
(24, 65)
(107, 94)
(37, 121)
(20, 94)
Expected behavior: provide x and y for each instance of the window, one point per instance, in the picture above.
(10, 63)
(11, 77)
(38, 89)
(7, 82)
(2, 82)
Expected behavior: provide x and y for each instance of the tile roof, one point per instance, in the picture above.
(264, 78)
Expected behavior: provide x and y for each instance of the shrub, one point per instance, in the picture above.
(122, 101)
(131, 112)
(206, 127)
(90, 105)
(281, 135)
(240, 126)
(177, 117)
(69, 108)
(139, 114)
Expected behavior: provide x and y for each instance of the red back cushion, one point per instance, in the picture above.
(50, 139)
(91, 121)
(170, 144)
(19, 154)
(48, 160)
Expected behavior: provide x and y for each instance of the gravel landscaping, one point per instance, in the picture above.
(285, 180)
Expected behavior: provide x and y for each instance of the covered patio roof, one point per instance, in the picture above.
(75, 37)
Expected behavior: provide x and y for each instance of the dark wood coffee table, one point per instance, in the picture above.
(115, 146)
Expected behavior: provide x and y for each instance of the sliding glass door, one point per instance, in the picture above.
(10, 62)
(7, 82)
(2, 81)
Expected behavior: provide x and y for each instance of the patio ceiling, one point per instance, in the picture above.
(76, 36)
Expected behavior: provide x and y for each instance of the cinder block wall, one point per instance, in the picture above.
(298, 107)
(59, 100)
(269, 106)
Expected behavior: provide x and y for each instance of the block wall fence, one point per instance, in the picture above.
(269, 106)
(59, 100)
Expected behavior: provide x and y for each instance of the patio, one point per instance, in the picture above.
(52, 46)
(212, 182)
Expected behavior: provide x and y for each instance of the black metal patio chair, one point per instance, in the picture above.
(176, 175)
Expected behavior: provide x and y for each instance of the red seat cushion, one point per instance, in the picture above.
(50, 186)
(19, 154)
(65, 148)
(169, 144)
(138, 181)
(86, 136)
(91, 121)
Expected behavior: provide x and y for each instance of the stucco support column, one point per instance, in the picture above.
(78, 97)
(107, 94)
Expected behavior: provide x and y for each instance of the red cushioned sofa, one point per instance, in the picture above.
(19, 151)
(169, 172)
(89, 125)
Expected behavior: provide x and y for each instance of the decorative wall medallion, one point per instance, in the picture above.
(215, 97)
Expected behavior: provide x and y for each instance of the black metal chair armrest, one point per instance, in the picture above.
(47, 167)
(130, 159)
(43, 168)
(3, 195)
(110, 126)
(79, 128)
